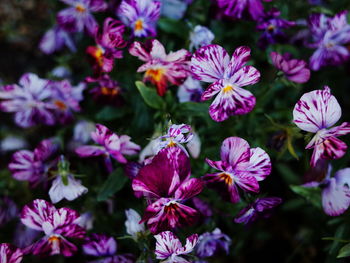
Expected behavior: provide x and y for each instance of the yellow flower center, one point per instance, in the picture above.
(60, 105)
(155, 74)
(54, 239)
(109, 92)
(270, 28)
(227, 89)
(80, 8)
(171, 143)
(226, 178)
(138, 25)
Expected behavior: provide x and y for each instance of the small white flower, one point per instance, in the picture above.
(132, 223)
(201, 36)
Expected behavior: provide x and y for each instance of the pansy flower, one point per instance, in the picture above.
(190, 90)
(104, 247)
(110, 145)
(8, 210)
(240, 167)
(167, 184)
(212, 64)
(10, 254)
(169, 248)
(260, 208)
(141, 16)
(132, 224)
(78, 17)
(200, 36)
(161, 68)
(174, 9)
(293, 69)
(55, 39)
(316, 112)
(57, 225)
(330, 36)
(210, 243)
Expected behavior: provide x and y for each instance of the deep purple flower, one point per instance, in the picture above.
(273, 26)
(55, 39)
(107, 90)
(202, 206)
(210, 243)
(57, 225)
(316, 112)
(169, 248)
(240, 167)
(141, 16)
(161, 68)
(240, 8)
(167, 184)
(260, 208)
(33, 166)
(295, 70)
(212, 64)
(99, 245)
(10, 254)
(78, 17)
(329, 37)
(24, 236)
(8, 210)
(110, 145)
(28, 101)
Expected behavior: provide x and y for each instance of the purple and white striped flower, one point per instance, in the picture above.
(169, 248)
(260, 208)
(330, 35)
(240, 167)
(293, 69)
(316, 112)
(57, 225)
(190, 90)
(78, 17)
(141, 16)
(110, 145)
(210, 243)
(105, 247)
(10, 254)
(55, 39)
(212, 64)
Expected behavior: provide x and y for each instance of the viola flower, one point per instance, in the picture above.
(174, 9)
(167, 185)
(169, 248)
(212, 64)
(141, 16)
(57, 225)
(28, 101)
(99, 245)
(24, 236)
(273, 26)
(108, 40)
(239, 8)
(316, 112)
(202, 206)
(107, 91)
(12, 143)
(78, 17)
(294, 70)
(55, 39)
(110, 145)
(132, 224)
(82, 131)
(8, 210)
(330, 35)
(33, 166)
(194, 146)
(335, 191)
(190, 90)
(160, 68)
(210, 243)
(240, 167)
(86, 220)
(10, 254)
(260, 208)
(200, 36)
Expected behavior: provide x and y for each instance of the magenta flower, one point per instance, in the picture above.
(169, 248)
(316, 112)
(330, 36)
(78, 17)
(167, 184)
(239, 8)
(99, 245)
(141, 16)
(212, 64)
(33, 166)
(57, 225)
(240, 167)
(28, 101)
(160, 68)
(55, 39)
(110, 145)
(10, 254)
(210, 243)
(108, 40)
(260, 208)
(295, 70)
(273, 26)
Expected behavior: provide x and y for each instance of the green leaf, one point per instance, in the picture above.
(150, 96)
(176, 27)
(194, 109)
(112, 185)
(109, 113)
(344, 251)
(312, 194)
